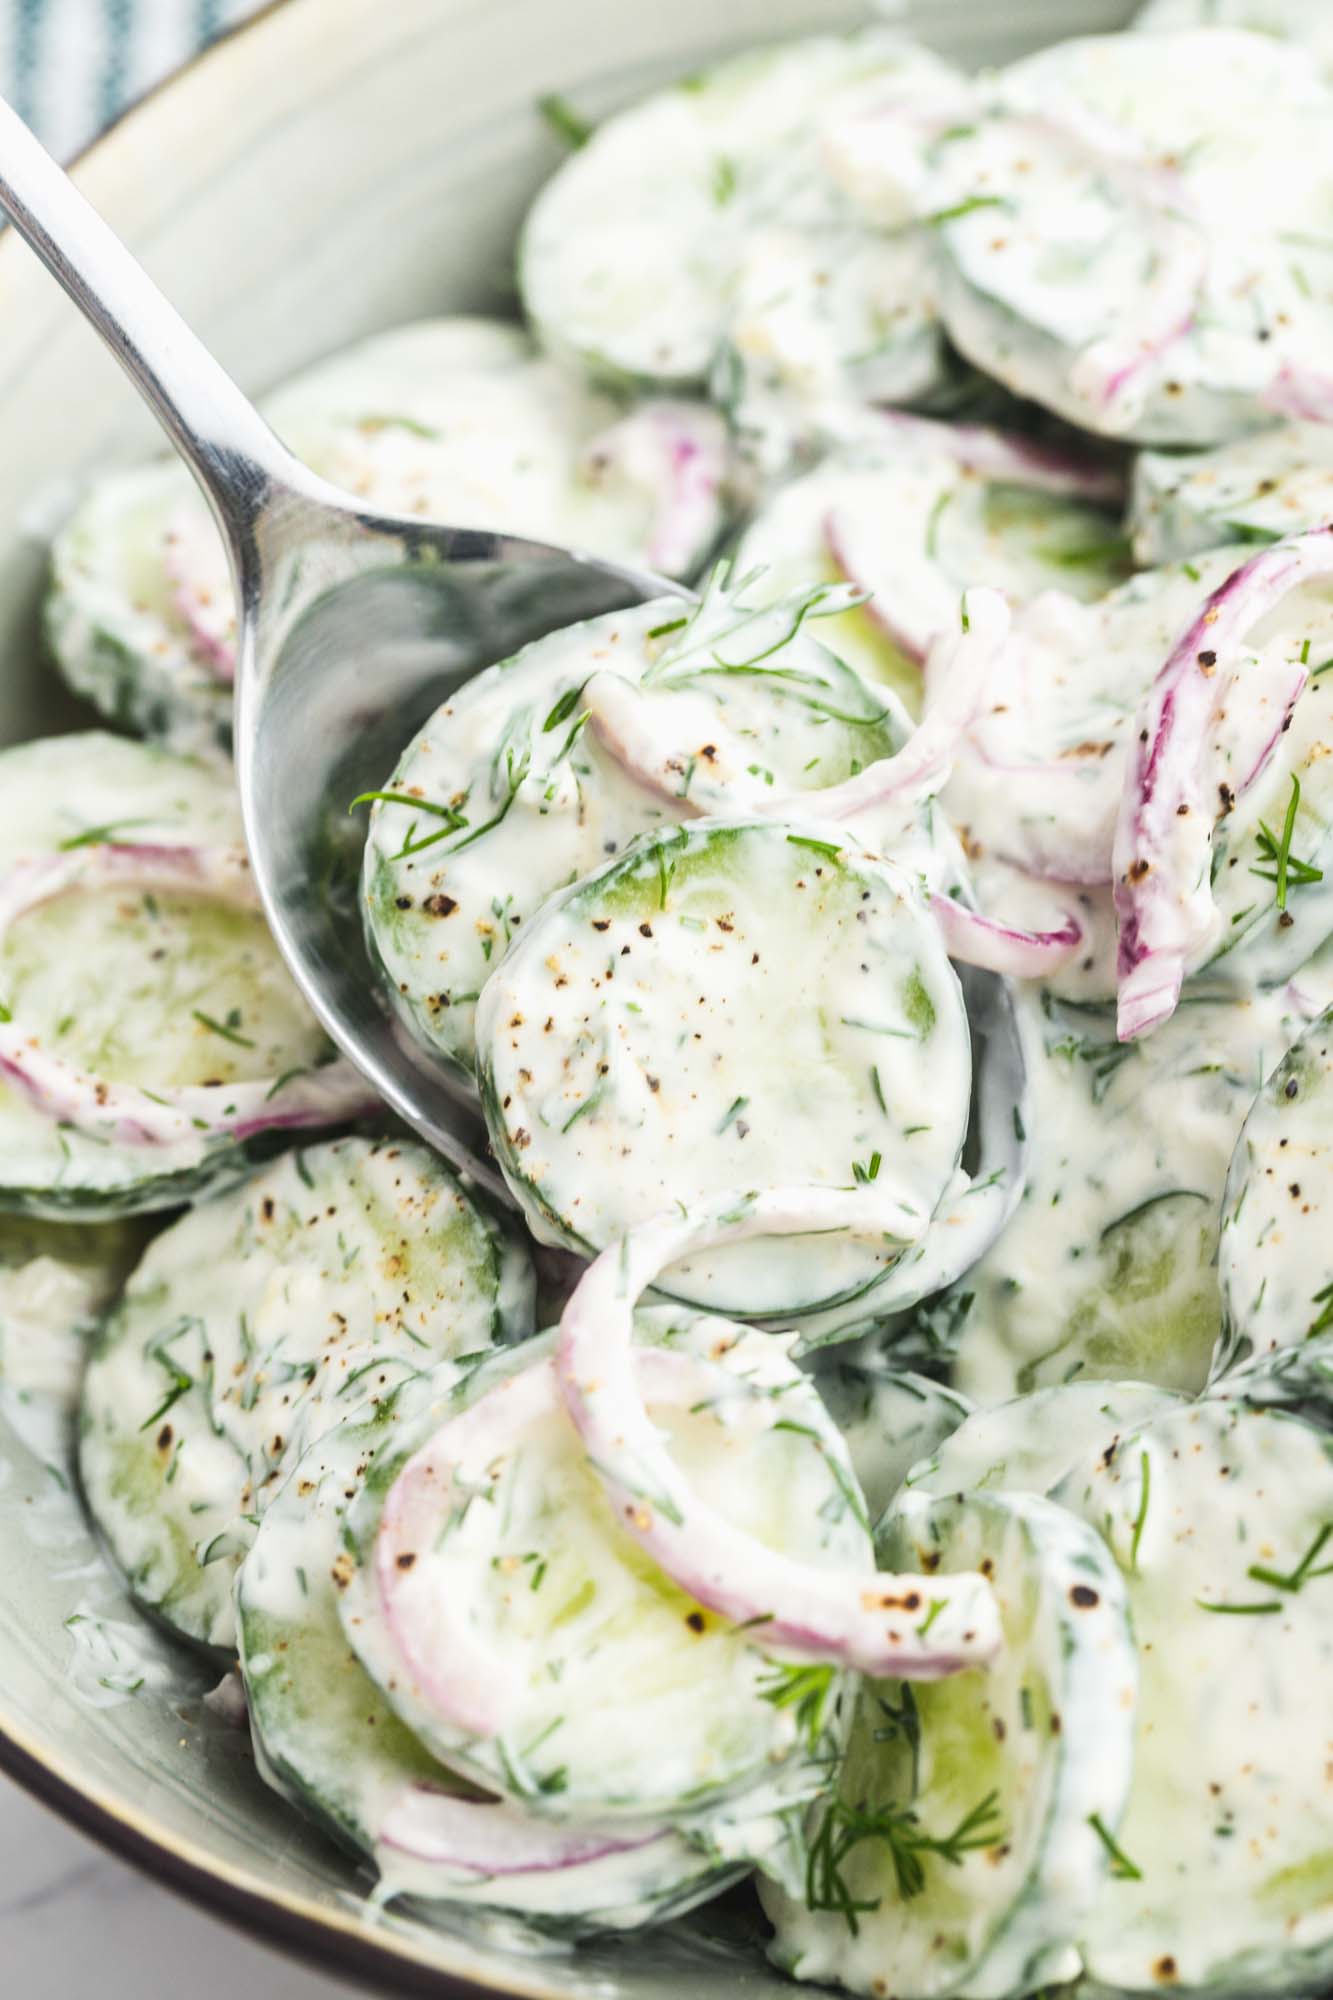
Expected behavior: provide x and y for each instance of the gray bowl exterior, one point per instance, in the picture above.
(331, 169)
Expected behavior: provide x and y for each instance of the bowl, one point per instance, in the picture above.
(326, 171)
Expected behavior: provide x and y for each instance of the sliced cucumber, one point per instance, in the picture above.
(1122, 294)
(890, 1419)
(953, 527)
(112, 620)
(724, 1000)
(188, 989)
(615, 1695)
(1305, 22)
(1275, 1262)
(1032, 1444)
(1219, 1516)
(454, 419)
(1040, 774)
(1255, 490)
(1297, 1380)
(1107, 1267)
(969, 1834)
(720, 217)
(1271, 925)
(521, 795)
(258, 1321)
(55, 1281)
(327, 1739)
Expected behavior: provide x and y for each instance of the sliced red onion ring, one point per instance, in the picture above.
(129, 1114)
(996, 947)
(1304, 394)
(1109, 370)
(1012, 460)
(1164, 833)
(491, 1840)
(626, 724)
(456, 1672)
(907, 1627)
(957, 668)
(202, 591)
(677, 453)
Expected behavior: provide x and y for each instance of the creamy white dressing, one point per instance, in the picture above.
(187, 990)
(1254, 490)
(249, 1327)
(1027, 1754)
(1276, 1250)
(624, 1698)
(1140, 231)
(715, 228)
(1305, 22)
(541, 797)
(729, 1008)
(1229, 1826)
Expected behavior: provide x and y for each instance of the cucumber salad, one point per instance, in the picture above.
(880, 1461)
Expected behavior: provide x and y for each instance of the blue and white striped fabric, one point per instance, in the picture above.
(70, 66)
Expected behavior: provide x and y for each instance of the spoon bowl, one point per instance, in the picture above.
(352, 627)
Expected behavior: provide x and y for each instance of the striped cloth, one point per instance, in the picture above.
(70, 66)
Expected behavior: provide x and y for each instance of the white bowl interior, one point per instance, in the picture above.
(334, 168)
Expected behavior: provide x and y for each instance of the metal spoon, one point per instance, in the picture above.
(351, 628)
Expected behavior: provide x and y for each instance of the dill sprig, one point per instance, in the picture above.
(844, 1828)
(1287, 872)
(807, 1691)
(565, 122)
(1122, 1868)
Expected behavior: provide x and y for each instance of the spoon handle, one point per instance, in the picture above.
(227, 445)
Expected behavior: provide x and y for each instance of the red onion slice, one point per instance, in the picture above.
(624, 720)
(130, 1114)
(882, 1625)
(678, 454)
(995, 947)
(1164, 833)
(957, 668)
(492, 1841)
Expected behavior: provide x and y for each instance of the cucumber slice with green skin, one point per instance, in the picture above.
(719, 1001)
(1305, 22)
(1255, 490)
(1140, 281)
(255, 1323)
(1296, 1380)
(327, 1739)
(521, 795)
(963, 1849)
(55, 1281)
(1107, 1267)
(1273, 925)
(112, 622)
(189, 988)
(454, 419)
(532, 1646)
(1213, 1511)
(720, 214)
(1031, 1445)
(953, 527)
(1275, 1256)
(890, 1419)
